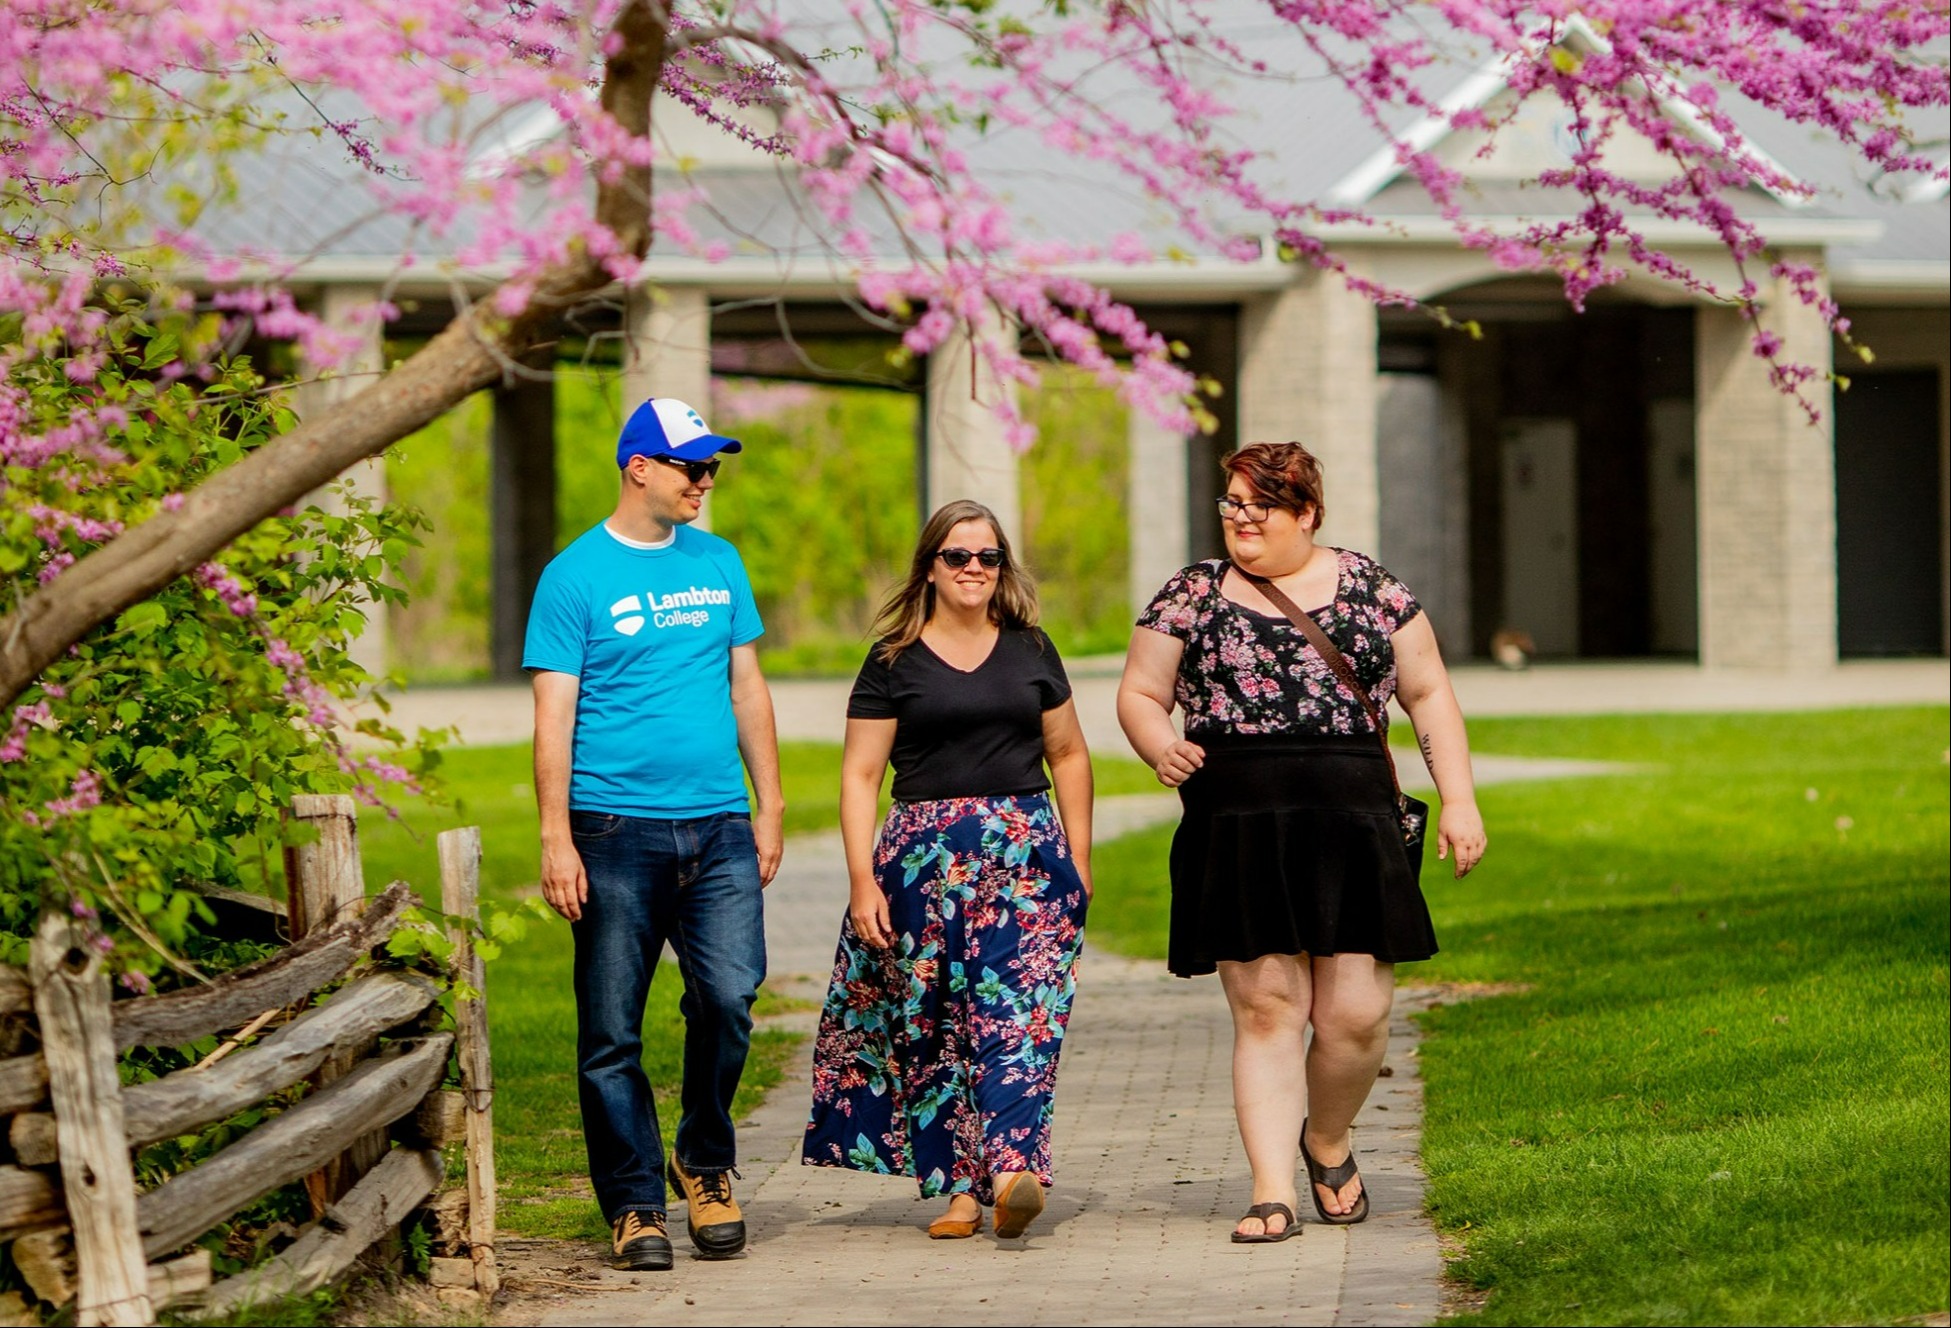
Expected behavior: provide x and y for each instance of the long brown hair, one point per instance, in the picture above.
(911, 604)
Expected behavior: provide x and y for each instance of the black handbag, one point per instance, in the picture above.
(1413, 813)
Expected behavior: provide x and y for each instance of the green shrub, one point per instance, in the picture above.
(822, 504)
(163, 748)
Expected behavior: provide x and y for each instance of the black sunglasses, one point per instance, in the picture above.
(959, 558)
(695, 471)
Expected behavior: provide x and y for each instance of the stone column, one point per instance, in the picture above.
(1156, 506)
(1424, 535)
(336, 307)
(667, 353)
(1307, 375)
(964, 453)
(1767, 493)
(521, 500)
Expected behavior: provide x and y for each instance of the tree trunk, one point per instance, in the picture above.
(474, 350)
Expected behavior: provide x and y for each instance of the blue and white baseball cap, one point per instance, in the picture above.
(666, 427)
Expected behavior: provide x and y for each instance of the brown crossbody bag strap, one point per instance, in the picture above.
(1326, 648)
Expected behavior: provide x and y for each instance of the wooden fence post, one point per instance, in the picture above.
(71, 998)
(460, 896)
(325, 879)
(325, 882)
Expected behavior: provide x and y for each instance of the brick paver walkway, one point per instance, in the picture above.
(1149, 1175)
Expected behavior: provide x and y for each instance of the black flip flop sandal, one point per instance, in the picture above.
(1334, 1178)
(1263, 1211)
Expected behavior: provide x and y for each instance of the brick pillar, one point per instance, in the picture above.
(668, 354)
(1156, 505)
(1767, 494)
(964, 453)
(368, 478)
(1307, 375)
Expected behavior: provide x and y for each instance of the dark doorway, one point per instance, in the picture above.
(1889, 592)
(1579, 464)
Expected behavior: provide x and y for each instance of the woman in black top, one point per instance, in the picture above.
(1289, 869)
(937, 1051)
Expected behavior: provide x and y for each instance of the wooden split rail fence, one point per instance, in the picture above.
(365, 1138)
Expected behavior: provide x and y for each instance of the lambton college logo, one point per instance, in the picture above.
(629, 615)
(683, 608)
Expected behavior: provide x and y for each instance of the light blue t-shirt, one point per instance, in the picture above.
(649, 631)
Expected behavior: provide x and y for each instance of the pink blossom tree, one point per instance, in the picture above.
(119, 125)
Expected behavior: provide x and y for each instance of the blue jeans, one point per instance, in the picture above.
(696, 885)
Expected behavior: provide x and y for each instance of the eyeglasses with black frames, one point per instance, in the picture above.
(1230, 507)
(695, 471)
(957, 559)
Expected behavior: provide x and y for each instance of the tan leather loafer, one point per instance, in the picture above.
(951, 1228)
(1017, 1204)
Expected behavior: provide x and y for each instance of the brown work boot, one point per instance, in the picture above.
(712, 1217)
(640, 1242)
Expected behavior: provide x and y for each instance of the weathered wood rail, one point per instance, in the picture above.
(365, 1136)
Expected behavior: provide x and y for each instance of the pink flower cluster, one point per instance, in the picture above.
(84, 791)
(34, 714)
(479, 131)
(223, 583)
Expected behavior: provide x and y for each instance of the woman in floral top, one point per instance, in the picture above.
(937, 1051)
(1289, 870)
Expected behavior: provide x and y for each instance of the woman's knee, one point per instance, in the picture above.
(1267, 1009)
(1351, 1023)
(1268, 1020)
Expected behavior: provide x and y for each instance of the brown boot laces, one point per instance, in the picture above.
(634, 1225)
(716, 1186)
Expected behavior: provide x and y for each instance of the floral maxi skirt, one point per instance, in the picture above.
(937, 1057)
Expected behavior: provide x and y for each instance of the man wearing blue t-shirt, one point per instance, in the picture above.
(647, 695)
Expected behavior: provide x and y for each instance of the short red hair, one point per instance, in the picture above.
(1287, 475)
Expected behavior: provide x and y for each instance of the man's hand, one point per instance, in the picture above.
(564, 883)
(769, 834)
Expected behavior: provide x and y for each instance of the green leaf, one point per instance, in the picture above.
(143, 618)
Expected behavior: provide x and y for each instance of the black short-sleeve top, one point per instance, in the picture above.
(975, 734)
(1245, 672)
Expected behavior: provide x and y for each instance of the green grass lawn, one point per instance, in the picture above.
(531, 1011)
(1723, 1097)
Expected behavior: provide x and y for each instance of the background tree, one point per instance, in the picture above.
(162, 747)
(516, 136)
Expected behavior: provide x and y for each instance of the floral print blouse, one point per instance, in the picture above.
(1246, 672)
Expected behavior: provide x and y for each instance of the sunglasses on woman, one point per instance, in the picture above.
(957, 559)
(695, 471)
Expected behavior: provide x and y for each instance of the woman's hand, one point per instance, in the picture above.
(1084, 875)
(1461, 827)
(1177, 762)
(868, 909)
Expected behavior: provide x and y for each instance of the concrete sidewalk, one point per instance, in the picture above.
(815, 709)
(1149, 1179)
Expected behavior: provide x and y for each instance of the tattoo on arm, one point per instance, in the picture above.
(1429, 752)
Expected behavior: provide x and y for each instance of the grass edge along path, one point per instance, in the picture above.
(1723, 1097)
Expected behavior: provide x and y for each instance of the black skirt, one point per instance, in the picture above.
(1291, 845)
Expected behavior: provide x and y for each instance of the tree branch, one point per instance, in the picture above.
(470, 354)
